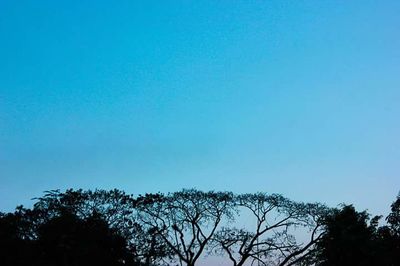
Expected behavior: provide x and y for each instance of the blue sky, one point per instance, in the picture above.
(295, 97)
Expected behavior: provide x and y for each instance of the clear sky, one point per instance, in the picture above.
(295, 97)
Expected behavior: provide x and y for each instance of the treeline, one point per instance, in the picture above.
(81, 228)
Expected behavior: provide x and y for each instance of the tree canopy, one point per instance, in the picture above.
(100, 227)
(353, 238)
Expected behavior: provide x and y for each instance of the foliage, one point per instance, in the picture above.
(352, 238)
(61, 240)
(77, 227)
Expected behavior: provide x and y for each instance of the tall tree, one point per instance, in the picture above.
(17, 239)
(271, 241)
(387, 238)
(114, 207)
(393, 218)
(185, 221)
(347, 239)
(72, 241)
(27, 238)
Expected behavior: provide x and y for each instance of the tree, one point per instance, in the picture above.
(17, 246)
(70, 240)
(271, 242)
(185, 221)
(393, 218)
(387, 238)
(148, 247)
(27, 238)
(76, 228)
(114, 207)
(347, 239)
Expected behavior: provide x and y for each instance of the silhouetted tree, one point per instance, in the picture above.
(28, 239)
(393, 218)
(71, 228)
(387, 238)
(347, 239)
(70, 240)
(81, 228)
(185, 221)
(148, 247)
(16, 245)
(115, 207)
(271, 242)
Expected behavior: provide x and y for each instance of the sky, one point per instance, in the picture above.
(300, 98)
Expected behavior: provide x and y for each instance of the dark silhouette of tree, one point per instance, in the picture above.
(352, 238)
(16, 247)
(185, 221)
(347, 239)
(70, 240)
(28, 239)
(271, 242)
(387, 238)
(393, 218)
(116, 208)
(148, 247)
(81, 228)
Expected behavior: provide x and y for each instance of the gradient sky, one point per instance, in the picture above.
(295, 97)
